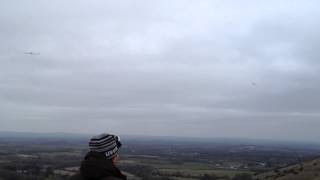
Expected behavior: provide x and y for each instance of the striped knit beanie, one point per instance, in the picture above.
(105, 143)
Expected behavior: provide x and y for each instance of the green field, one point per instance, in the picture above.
(188, 170)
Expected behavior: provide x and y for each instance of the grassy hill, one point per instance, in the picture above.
(309, 170)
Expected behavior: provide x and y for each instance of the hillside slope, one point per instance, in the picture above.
(309, 170)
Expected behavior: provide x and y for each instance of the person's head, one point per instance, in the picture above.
(107, 144)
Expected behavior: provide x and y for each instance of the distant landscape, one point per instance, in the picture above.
(32, 156)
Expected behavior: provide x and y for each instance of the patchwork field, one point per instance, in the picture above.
(155, 159)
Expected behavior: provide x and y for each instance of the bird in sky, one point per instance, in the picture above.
(32, 53)
(253, 83)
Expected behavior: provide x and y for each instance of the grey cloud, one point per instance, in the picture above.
(183, 68)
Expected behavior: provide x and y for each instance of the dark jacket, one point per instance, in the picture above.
(96, 166)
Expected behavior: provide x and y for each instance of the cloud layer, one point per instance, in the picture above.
(185, 68)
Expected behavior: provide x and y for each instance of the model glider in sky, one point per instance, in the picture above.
(32, 53)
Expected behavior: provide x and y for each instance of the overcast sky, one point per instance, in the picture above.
(215, 68)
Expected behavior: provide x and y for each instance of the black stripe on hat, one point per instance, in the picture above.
(100, 143)
(103, 149)
(110, 145)
(101, 137)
